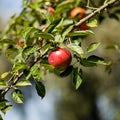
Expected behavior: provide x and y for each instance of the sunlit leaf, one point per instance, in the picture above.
(19, 66)
(76, 49)
(17, 96)
(23, 82)
(40, 89)
(80, 33)
(92, 23)
(96, 60)
(5, 74)
(6, 108)
(93, 46)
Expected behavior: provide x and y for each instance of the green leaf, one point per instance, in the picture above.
(46, 47)
(48, 66)
(5, 74)
(23, 82)
(63, 7)
(1, 117)
(18, 66)
(29, 50)
(66, 31)
(17, 96)
(11, 51)
(28, 31)
(40, 89)
(7, 41)
(85, 62)
(76, 49)
(77, 77)
(6, 108)
(96, 60)
(2, 104)
(3, 84)
(45, 35)
(67, 71)
(53, 25)
(35, 71)
(80, 33)
(93, 46)
(92, 23)
(114, 16)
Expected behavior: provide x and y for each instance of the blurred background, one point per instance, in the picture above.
(98, 98)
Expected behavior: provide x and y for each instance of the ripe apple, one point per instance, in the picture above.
(60, 58)
(84, 26)
(76, 11)
(51, 10)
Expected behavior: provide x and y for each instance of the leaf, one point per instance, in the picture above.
(17, 96)
(29, 50)
(40, 89)
(1, 117)
(96, 60)
(23, 82)
(11, 51)
(45, 35)
(48, 66)
(35, 71)
(93, 23)
(66, 31)
(18, 66)
(93, 46)
(67, 71)
(77, 77)
(63, 7)
(28, 31)
(114, 16)
(6, 108)
(80, 33)
(5, 74)
(3, 84)
(7, 41)
(87, 63)
(53, 25)
(2, 104)
(76, 49)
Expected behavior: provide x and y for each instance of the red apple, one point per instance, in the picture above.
(60, 58)
(84, 26)
(51, 10)
(76, 11)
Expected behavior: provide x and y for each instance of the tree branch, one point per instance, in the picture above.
(5, 90)
(96, 11)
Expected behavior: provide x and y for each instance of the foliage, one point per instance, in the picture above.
(32, 34)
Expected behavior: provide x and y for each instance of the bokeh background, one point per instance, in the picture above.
(99, 95)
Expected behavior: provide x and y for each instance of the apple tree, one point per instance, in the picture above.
(47, 37)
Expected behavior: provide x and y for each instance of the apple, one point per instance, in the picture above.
(51, 10)
(84, 26)
(60, 58)
(76, 11)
